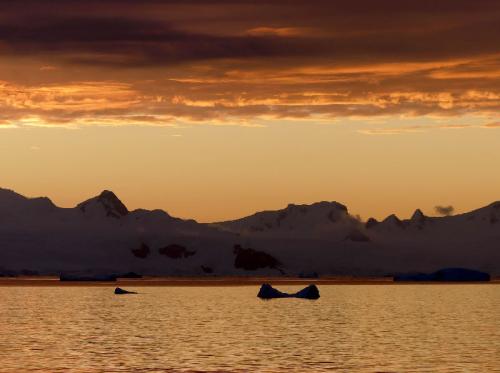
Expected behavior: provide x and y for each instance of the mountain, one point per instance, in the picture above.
(101, 235)
(318, 219)
(106, 203)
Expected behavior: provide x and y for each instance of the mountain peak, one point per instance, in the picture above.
(108, 202)
(372, 222)
(418, 216)
(418, 219)
(393, 220)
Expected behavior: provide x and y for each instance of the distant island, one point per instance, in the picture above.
(100, 236)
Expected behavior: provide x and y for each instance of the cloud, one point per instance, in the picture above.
(444, 210)
(492, 125)
(70, 97)
(129, 42)
(164, 102)
(389, 131)
(280, 31)
(414, 129)
(153, 33)
(219, 61)
(4, 126)
(48, 68)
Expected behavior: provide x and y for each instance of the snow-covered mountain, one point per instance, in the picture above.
(100, 235)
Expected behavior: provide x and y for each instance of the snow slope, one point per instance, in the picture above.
(101, 235)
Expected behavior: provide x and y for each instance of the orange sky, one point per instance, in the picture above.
(217, 109)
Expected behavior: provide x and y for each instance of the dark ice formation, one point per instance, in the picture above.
(86, 277)
(120, 291)
(306, 274)
(268, 292)
(446, 275)
(130, 275)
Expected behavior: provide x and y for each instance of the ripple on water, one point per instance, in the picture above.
(421, 328)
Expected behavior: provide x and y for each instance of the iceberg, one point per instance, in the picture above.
(120, 291)
(268, 292)
(446, 275)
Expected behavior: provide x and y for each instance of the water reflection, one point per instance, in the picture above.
(426, 328)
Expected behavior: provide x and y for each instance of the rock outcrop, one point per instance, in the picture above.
(251, 260)
(175, 251)
(142, 252)
(207, 269)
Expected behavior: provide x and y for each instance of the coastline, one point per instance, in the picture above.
(223, 281)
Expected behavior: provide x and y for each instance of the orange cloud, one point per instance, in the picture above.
(48, 68)
(414, 129)
(82, 96)
(247, 93)
(280, 31)
(492, 125)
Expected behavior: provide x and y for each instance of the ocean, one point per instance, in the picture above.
(351, 328)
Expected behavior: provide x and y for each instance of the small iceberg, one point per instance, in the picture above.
(268, 292)
(87, 277)
(446, 275)
(120, 291)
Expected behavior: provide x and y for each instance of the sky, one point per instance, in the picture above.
(216, 109)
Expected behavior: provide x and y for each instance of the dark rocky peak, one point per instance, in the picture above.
(372, 222)
(418, 216)
(418, 219)
(393, 220)
(108, 202)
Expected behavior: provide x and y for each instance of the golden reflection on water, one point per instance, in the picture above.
(407, 328)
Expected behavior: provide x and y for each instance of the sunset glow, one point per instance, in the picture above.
(244, 107)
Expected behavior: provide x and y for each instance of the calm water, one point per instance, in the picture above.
(405, 328)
